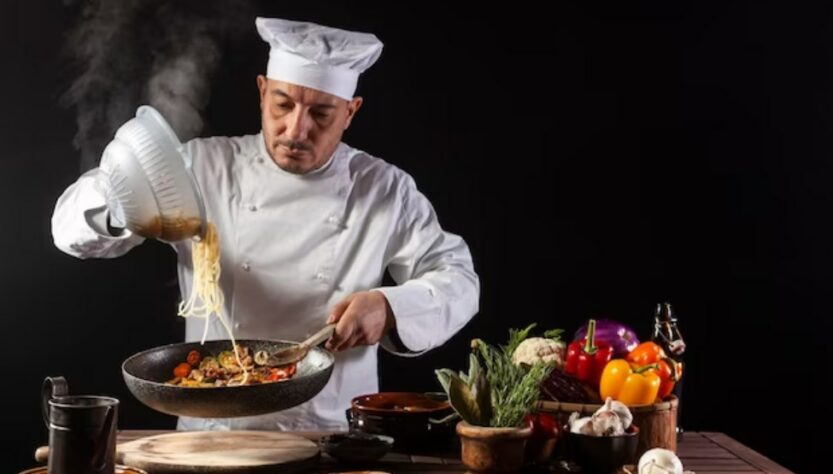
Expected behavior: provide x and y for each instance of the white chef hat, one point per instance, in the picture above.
(318, 57)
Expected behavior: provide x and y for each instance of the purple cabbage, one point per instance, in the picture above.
(621, 337)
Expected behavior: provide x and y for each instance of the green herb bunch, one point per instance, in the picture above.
(495, 392)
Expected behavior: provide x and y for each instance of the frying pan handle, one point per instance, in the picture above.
(320, 336)
(52, 387)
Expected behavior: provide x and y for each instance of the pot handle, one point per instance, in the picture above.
(52, 387)
(351, 419)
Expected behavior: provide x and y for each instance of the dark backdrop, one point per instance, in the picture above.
(597, 160)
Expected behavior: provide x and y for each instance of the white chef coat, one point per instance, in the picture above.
(292, 246)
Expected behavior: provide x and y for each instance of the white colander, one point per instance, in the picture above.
(151, 180)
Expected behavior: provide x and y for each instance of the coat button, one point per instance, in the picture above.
(246, 267)
(332, 219)
(260, 159)
(252, 207)
(320, 276)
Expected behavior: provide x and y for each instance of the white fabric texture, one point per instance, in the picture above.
(315, 56)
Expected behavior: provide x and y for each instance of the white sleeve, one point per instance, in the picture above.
(79, 221)
(438, 291)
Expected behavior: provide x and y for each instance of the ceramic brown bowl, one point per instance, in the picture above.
(406, 417)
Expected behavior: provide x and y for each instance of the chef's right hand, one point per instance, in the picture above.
(116, 220)
(107, 218)
(361, 318)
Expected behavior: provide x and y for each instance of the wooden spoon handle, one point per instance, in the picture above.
(42, 454)
(325, 333)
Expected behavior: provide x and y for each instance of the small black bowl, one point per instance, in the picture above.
(602, 454)
(356, 446)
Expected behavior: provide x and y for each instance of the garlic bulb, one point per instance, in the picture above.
(607, 422)
(622, 410)
(660, 461)
(580, 425)
(612, 419)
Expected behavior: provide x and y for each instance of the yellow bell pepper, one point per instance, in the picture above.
(629, 384)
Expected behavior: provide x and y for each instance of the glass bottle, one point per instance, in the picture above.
(667, 335)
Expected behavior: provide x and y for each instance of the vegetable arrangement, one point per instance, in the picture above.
(604, 361)
(607, 360)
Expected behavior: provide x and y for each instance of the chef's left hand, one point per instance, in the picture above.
(361, 318)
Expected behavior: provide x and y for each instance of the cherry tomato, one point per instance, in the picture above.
(182, 370)
(194, 358)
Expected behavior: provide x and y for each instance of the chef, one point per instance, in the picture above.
(308, 225)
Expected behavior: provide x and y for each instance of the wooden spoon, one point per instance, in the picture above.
(292, 354)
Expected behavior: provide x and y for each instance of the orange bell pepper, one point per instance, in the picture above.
(630, 385)
(669, 370)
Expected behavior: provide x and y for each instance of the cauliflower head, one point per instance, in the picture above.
(540, 349)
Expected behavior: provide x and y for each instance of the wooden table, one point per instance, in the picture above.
(701, 452)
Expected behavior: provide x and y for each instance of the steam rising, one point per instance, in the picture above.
(157, 52)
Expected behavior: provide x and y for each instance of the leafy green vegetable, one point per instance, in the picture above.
(554, 334)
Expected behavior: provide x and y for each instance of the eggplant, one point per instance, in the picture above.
(621, 337)
(560, 387)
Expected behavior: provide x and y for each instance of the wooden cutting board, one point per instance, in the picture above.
(219, 452)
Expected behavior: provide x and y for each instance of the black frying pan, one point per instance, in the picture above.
(146, 373)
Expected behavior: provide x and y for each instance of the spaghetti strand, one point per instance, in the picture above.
(206, 294)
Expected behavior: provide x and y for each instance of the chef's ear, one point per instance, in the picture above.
(261, 86)
(352, 107)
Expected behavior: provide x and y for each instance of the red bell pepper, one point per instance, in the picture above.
(586, 359)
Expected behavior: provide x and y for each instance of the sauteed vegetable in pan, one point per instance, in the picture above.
(204, 370)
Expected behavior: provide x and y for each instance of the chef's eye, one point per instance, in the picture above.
(320, 114)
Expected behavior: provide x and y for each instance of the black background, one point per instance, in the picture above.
(597, 160)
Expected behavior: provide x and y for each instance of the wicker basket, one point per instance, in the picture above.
(657, 423)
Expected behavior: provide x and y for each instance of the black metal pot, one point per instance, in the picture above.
(146, 373)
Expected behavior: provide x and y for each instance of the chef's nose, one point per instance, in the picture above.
(299, 125)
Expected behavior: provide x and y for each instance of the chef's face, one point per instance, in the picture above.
(301, 126)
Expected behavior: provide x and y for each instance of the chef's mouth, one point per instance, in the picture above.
(293, 147)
